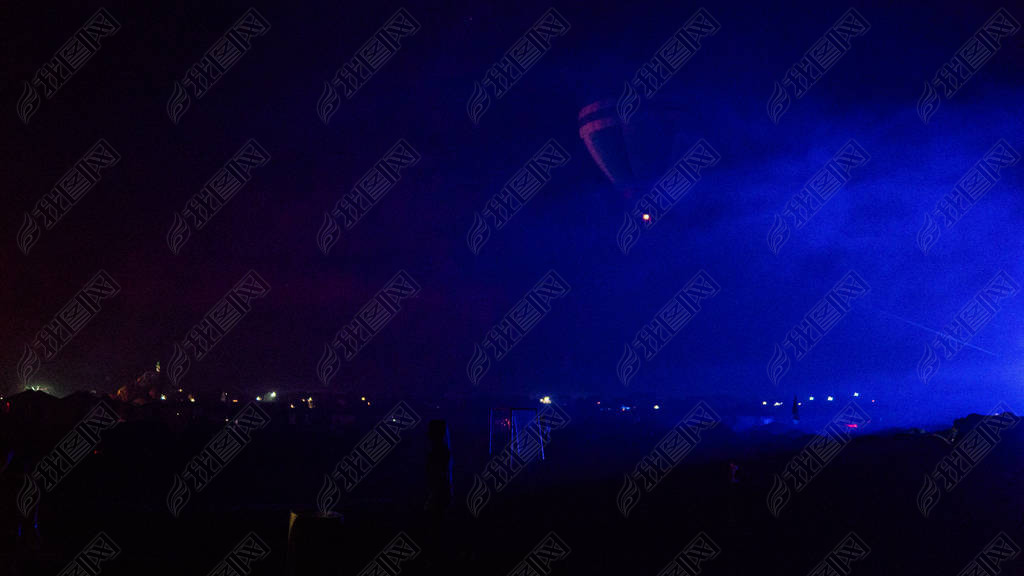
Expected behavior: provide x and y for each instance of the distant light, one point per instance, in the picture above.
(856, 394)
(647, 217)
(811, 398)
(291, 405)
(545, 400)
(191, 399)
(777, 404)
(162, 397)
(363, 398)
(273, 394)
(234, 400)
(851, 425)
(656, 407)
(259, 398)
(799, 403)
(829, 398)
(872, 401)
(764, 403)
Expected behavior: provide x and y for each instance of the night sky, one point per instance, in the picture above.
(420, 225)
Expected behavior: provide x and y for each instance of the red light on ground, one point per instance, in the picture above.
(647, 217)
(851, 425)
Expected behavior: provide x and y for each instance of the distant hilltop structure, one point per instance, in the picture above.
(149, 387)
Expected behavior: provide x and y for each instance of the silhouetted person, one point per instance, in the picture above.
(440, 491)
(439, 469)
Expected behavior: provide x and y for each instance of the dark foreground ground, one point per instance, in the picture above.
(871, 488)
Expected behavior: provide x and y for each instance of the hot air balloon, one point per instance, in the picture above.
(635, 147)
